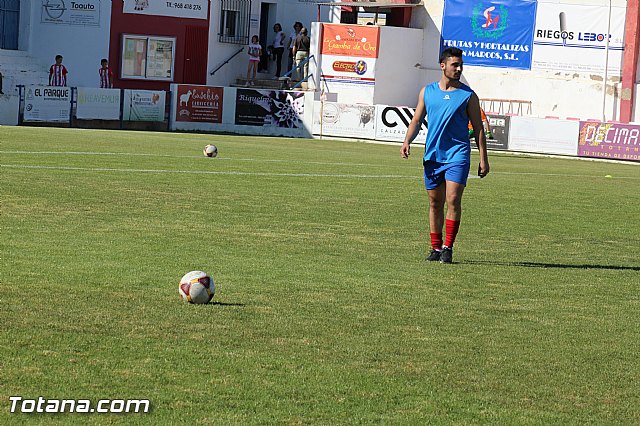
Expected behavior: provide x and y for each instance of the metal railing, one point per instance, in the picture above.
(227, 61)
(506, 106)
(235, 20)
(287, 76)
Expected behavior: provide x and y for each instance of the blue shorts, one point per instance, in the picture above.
(435, 173)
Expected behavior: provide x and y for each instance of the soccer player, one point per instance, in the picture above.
(448, 105)
(106, 75)
(485, 123)
(58, 73)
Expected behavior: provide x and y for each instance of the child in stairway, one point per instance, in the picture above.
(255, 51)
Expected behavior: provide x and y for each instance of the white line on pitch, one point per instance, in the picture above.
(561, 175)
(318, 163)
(205, 172)
(359, 176)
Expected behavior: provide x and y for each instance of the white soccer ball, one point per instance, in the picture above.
(197, 287)
(210, 151)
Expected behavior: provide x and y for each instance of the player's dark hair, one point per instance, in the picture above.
(450, 52)
(103, 60)
(58, 57)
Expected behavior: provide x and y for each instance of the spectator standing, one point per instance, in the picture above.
(301, 51)
(1, 92)
(106, 75)
(255, 51)
(292, 39)
(278, 47)
(58, 73)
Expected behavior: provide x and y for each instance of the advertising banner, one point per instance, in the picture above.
(85, 12)
(98, 104)
(499, 125)
(201, 104)
(269, 108)
(143, 105)
(573, 37)
(351, 121)
(609, 140)
(349, 68)
(348, 54)
(350, 40)
(195, 9)
(47, 103)
(496, 33)
(532, 134)
(392, 123)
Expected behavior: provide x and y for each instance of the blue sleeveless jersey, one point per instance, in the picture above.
(448, 134)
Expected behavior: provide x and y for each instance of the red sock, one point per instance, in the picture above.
(452, 227)
(436, 240)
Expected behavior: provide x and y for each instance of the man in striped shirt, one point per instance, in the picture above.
(106, 75)
(58, 73)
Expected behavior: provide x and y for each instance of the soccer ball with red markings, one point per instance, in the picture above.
(210, 151)
(197, 287)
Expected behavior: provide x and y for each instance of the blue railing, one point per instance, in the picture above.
(287, 76)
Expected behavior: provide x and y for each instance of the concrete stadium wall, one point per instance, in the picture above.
(250, 111)
(636, 108)
(82, 48)
(561, 94)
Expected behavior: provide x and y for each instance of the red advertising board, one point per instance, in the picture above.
(202, 104)
(350, 40)
(609, 140)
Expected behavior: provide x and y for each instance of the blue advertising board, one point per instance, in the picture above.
(495, 33)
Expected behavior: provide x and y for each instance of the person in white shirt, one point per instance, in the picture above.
(278, 47)
(292, 38)
(255, 52)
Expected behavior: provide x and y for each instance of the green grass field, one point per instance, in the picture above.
(325, 311)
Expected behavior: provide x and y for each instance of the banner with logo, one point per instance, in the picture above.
(573, 37)
(98, 104)
(499, 126)
(202, 104)
(349, 52)
(81, 12)
(195, 9)
(392, 123)
(350, 40)
(609, 140)
(344, 120)
(143, 105)
(47, 103)
(269, 108)
(496, 33)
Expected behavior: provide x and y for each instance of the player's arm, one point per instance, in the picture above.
(414, 126)
(473, 111)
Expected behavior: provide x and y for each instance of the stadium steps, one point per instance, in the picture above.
(270, 83)
(20, 68)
